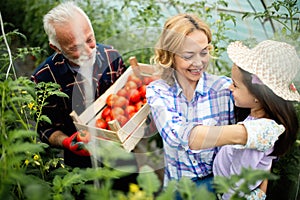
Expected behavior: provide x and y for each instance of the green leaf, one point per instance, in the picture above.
(15, 134)
(186, 188)
(148, 180)
(21, 147)
(203, 193)
(168, 192)
(45, 118)
(246, 178)
(57, 184)
(60, 94)
(221, 184)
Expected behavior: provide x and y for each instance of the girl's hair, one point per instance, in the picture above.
(172, 38)
(278, 109)
(61, 15)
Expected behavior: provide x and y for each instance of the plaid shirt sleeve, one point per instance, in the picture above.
(172, 126)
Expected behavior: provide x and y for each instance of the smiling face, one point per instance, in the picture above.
(242, 96)
(77, 41)
(192, 59)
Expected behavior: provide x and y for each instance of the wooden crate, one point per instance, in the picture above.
(133, 131)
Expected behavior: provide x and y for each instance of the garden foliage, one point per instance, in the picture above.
(30, 169)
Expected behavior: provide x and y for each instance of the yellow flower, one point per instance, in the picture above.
(26, 162)
(133, 188)
(218, 21)
(36, 157)
(30, 105)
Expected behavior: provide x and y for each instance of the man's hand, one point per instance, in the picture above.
(76, 143)
(262, 133)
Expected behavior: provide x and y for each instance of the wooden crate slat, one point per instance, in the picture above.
(134, 138)
(99, 133)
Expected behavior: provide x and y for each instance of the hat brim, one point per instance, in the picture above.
(239, 54)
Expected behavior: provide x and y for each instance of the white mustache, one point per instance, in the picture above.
(86, 60)
(84, 57)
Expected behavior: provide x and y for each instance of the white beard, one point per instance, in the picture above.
(84, 60)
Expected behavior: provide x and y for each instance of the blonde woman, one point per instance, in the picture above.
(187, 97)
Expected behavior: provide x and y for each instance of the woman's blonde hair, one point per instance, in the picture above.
(172, 38)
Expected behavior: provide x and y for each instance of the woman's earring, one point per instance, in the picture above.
(255, 100)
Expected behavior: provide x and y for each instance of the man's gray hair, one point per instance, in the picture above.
(61, 14)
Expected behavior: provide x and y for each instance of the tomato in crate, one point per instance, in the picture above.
(101, 123)
(118, 120)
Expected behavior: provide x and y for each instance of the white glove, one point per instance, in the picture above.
(262, 134)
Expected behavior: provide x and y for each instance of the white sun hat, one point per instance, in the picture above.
(275, 63)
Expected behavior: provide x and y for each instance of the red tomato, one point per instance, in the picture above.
(120, 101)
(139, 105)
(130, 109)
(122, 119)
(129, 85)
(134, 96)
(106, 112)
(136, 79)
(116, 111)
(110, 99)
(142, 91)
(83, 136)
(131, 114)
(101, 123)
(144, 101)
(123, 92)
(108, 118)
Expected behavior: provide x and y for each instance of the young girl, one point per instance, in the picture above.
(262, 81)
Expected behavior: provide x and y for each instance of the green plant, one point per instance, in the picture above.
(20, 149)
(288, 169)
(246, 178)
(8, 58)
(286, 13)
(25, 166)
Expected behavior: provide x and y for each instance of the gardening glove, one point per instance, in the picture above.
(262, 134)
(76, 143)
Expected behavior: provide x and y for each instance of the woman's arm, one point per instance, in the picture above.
(202, 137)
(260, 134)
